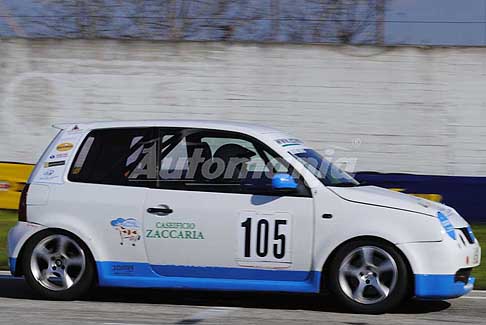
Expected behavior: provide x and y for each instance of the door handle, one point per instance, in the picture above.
(161, 210)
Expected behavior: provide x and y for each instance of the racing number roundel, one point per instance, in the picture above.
(264, 238)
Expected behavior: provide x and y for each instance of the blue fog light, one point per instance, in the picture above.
(444, 221)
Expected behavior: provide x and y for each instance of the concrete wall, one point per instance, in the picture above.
(397, 110)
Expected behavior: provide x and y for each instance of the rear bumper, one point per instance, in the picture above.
(17, 237)
(441, 286)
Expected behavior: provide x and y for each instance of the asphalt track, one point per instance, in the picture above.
(18, 305)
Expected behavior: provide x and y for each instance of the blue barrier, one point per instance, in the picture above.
(465, 194)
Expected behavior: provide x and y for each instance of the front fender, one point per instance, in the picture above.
(353, 220)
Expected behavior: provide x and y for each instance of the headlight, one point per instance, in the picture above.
(471, 234)
(444, 221)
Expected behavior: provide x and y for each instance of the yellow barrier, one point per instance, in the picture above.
(12, 181)
(431, 197)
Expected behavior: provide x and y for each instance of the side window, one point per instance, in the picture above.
(254, 164)
(277, 163)
(116, 157)
(216, 161)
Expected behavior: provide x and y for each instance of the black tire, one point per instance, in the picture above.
(78, 290)
(397, 294)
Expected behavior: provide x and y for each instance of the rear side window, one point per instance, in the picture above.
(111, 156)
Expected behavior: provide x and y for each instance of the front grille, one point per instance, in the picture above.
(467, 234)
(463, 275)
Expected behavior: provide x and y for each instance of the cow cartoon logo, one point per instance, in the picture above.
(129, 230)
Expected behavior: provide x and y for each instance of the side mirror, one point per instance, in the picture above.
(284, 182)
(279, 183)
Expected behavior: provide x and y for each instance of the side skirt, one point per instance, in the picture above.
(142, 275)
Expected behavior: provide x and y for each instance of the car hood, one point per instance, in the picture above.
(391, 199)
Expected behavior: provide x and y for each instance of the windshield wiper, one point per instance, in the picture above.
(349, 184)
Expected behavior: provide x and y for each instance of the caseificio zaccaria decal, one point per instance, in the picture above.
(174, 230)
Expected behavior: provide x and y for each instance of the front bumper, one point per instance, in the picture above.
(441, 286)
(442, 269)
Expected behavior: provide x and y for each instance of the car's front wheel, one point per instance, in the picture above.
(368, 276)
(58, 266)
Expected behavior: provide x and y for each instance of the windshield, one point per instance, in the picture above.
(325, 171)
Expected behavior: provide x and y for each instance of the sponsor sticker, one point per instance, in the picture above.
(49, 175)
(76, 170)
(66, 146)
(122, 269)
(59, 156)
(54, 163)
(289, 142)
(129, 230)
(4, 186)
(449, 228)
(49, 172)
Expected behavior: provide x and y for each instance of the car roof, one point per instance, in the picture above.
(202, 124)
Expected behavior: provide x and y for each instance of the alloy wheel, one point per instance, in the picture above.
(368, 275)
(58, 262)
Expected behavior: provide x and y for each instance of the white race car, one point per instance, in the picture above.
(227, 206)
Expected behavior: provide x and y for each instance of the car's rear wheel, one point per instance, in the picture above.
(58, 266)
(368, 276)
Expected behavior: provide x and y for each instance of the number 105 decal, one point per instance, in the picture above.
(264, 238)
